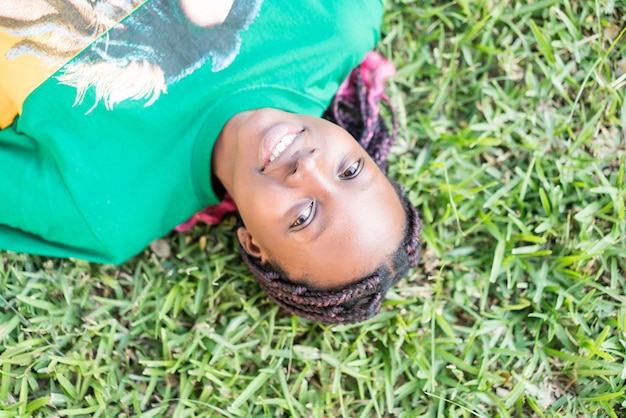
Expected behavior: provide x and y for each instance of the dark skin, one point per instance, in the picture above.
(312, 200)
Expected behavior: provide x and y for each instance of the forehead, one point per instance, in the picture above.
(359, 237)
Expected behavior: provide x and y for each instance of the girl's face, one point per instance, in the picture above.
(313, 202)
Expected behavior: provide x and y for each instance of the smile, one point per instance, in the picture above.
(282, 145)
(275, 141)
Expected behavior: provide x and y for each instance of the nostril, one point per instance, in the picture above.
(303, 162)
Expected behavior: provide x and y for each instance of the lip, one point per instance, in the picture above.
(271, 139)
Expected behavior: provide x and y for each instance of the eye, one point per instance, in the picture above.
(304, 218)
(352, 170)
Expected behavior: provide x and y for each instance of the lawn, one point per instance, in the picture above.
(512, 126)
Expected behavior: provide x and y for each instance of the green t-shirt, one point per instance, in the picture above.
(113, 149)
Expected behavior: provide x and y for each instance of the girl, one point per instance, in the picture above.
(123, 119)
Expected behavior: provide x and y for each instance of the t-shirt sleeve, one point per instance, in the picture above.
(31, 185)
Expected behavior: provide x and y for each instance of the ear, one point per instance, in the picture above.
(250, 245)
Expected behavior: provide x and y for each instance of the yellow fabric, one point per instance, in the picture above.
(18, 78)
(7, 109)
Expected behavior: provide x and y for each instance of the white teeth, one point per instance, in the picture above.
(281, 146)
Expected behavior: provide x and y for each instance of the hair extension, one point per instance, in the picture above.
(355, 107)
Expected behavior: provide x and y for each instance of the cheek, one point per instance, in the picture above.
(261, 213)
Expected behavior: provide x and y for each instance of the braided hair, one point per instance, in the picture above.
(354, 108)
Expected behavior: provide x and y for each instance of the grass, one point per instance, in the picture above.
(512, 144)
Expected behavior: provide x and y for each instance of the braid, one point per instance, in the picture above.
(412, 233)
(331, 307)
(354, 108)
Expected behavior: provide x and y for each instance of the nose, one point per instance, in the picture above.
(308, 170)
(308, 161)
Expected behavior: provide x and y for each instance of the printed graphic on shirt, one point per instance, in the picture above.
(37, 37)
(55, 31)
(161, 43)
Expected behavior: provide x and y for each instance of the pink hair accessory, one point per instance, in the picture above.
(375, 70)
